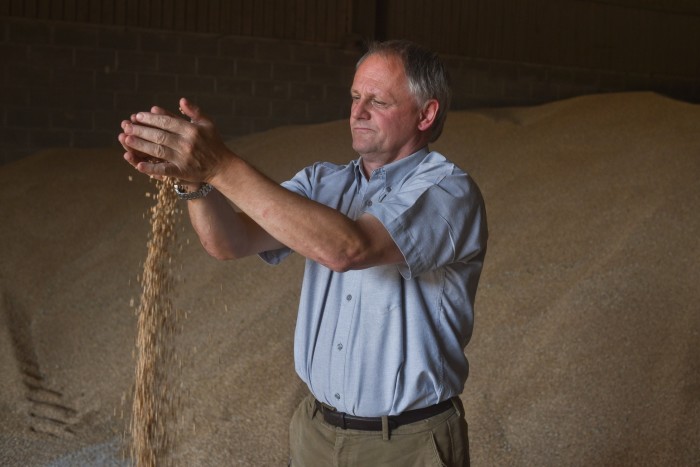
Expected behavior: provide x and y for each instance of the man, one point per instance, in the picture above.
(394, 241)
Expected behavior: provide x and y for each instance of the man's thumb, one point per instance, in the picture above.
(190, 110)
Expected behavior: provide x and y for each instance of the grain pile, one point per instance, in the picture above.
(156, 396)
(587, 332)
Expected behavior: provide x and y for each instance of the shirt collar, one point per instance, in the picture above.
(394, 171)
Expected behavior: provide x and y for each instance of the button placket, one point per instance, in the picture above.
(340, 347)
(374, 186)
(387, 190)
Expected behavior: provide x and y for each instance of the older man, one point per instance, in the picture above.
(394, 241)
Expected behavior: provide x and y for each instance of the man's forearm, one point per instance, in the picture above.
(309, 228)
(224, 232)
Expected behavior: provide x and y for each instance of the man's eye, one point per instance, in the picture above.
(378, 103)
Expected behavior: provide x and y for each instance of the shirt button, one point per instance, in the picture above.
(337, 396)
(369, 203)
(340, 346)
(349, 297)
(388, 189)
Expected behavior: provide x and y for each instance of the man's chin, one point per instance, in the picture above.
(361, 147)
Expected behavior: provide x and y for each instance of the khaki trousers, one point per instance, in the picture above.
(441, 440)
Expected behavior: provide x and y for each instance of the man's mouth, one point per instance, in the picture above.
(361, 129)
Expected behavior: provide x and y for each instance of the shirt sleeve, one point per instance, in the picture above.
(436, 217)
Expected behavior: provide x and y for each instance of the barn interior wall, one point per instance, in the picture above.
(68, 80)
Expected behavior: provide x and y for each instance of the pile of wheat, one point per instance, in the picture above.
(156, 395)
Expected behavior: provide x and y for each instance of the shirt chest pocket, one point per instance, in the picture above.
(382, 291)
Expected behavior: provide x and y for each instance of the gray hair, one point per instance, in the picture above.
(426, 74)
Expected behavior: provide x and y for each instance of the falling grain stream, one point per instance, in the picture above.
(156, 395)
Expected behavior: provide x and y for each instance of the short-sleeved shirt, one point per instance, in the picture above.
(387, 339)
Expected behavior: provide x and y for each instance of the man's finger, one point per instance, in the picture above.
(163, 121)
(148, 148)
(122, 140)
(192, 111)
(150, 134)
(131, 158)
(157, 170)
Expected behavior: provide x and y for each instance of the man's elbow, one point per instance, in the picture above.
(339, 266)
(221, 256)
(345, 261)
(217, 252)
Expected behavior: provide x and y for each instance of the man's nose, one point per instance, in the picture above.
(358, 110)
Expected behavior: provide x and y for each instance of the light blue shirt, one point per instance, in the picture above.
(387, 339)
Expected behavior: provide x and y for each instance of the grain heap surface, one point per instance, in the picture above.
(587, 331)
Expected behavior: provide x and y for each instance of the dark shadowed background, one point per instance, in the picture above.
(72, 69)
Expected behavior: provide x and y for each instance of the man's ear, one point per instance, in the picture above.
(428, 114)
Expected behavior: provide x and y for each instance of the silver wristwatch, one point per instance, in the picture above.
(182, 192)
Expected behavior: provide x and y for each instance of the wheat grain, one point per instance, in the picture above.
(154, 418)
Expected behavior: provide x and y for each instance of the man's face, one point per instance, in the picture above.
(384, 116)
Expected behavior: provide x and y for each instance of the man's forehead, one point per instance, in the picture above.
(387, 62)
(386, 71)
